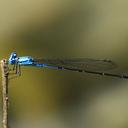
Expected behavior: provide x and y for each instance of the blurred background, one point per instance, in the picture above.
(44, 98)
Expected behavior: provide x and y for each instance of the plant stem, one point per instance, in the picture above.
(5, 73)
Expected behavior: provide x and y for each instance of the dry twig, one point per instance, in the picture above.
(5, 73)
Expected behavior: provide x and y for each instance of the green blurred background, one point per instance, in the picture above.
(44, 98)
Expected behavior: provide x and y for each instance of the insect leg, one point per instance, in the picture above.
(19, 70)
(16, 68)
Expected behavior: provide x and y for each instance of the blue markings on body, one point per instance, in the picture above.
(82, 65)
(12, 58)
(39, 65)
(27, 61)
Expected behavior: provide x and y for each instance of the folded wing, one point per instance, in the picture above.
(78, 64)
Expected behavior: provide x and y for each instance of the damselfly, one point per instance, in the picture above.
(86, 65)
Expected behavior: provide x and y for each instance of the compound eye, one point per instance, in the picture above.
(14, 55)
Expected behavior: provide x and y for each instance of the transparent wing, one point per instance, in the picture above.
(78, 64)
(83, 65)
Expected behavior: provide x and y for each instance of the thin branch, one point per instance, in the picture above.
(5, 73)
